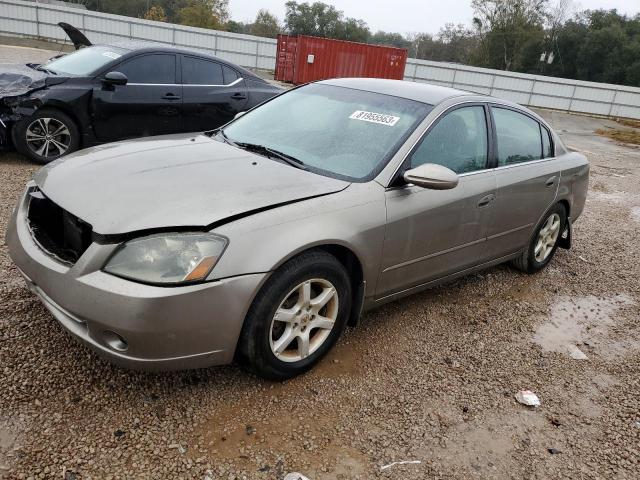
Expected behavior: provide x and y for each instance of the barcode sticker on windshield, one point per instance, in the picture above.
(373, 117)
(112, 55)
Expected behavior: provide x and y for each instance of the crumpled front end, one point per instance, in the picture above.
(17, 82)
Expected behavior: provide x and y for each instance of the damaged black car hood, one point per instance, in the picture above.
(20, 79)
(183, 180)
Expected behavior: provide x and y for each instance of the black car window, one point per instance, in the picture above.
(196, 71)
(547, 145)
(153, 68)
(518, 137)
(458, 141)
(230, 75)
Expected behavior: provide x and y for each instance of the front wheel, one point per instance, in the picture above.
(544, 243)
(297, 317)
(46, 136)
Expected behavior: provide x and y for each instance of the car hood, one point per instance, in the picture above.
(20, 79)
(173, 181)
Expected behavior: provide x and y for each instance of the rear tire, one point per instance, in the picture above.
(46, 136)
(287, 331)
(544, 242)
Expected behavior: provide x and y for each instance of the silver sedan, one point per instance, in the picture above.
(262, 240)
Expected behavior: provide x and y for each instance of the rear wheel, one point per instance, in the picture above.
(46, 136)
(544, 243)
(297, 317)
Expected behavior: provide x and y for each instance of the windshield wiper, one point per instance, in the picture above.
(46, 70)
(220, 131)
(270, 152)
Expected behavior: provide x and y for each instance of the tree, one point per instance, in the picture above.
(318, 19)
(237, 27)
(390, 39)
(156, 12)
(353, 30)
(322, 20)
(504, 26)
(265, 25)
(204, 13)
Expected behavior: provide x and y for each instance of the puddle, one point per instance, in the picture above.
(584, 323)
(274, 426)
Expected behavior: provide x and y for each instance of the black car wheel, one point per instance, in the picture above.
(46, 136)
(297, 317)
(544, 242)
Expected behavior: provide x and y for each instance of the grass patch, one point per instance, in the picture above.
(629, 123)
(621, 135)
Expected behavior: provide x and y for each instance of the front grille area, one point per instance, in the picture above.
(58, 232)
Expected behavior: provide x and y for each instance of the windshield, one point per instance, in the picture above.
(85, 61)
(342, 132)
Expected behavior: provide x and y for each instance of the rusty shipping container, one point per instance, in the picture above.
(301, 59)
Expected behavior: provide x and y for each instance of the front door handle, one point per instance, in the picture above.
(170, 96)
(239, 96)
(550, 181)
(486, 200)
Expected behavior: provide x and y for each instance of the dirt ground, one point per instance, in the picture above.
(430, 378)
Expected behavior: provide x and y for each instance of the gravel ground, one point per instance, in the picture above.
(431, 378)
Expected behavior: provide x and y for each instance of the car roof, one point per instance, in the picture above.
(420, 92)
(143, 46)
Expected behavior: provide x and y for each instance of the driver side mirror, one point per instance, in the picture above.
(115, 78)
(433, 176)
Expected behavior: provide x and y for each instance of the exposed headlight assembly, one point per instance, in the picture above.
(171, 258)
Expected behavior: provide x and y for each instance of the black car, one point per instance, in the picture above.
(103, 93)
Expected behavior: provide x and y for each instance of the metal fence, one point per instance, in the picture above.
(37, 20)
(532, 90)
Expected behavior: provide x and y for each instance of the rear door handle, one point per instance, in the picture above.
(550, 181)
(486, 200)
(170, 96)
(239, 96)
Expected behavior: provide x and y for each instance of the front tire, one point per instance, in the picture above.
(297, 317)
(544, 242)
(46, 136)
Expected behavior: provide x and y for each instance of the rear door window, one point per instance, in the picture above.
(197, 71)
(153, 68)
(518, 137)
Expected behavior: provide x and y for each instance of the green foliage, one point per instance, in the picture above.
(265, 25)
(390, 39)
(204, 13)
(322, 20)
(156, 13)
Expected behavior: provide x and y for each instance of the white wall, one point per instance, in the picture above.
(30, 19)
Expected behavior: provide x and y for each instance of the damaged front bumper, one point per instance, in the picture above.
(7, 121)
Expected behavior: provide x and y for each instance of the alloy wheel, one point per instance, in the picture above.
(547, 238)
(304, 320)
(48, 137)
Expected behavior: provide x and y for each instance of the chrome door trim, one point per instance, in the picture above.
(432, 255)
(513, 230)
(440, 280)
(185, 84)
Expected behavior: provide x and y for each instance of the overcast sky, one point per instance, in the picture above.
(406, 15)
